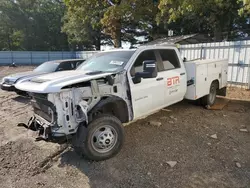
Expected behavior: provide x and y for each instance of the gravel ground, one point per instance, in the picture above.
(238, 93)
(184, 137)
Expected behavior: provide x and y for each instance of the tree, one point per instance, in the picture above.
(10, 39)
(120, 20)
(32, 25)
(136, 17)
(82, 23)
(212, 16)
(246, 8)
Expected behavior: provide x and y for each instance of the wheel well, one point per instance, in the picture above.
(111, 105)
(217, 83)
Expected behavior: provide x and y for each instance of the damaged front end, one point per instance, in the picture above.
(58, 115)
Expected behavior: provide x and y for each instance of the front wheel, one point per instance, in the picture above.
(102, 139)
(210, 99)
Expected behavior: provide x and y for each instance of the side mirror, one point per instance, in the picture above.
(60, 69)
(149, 71)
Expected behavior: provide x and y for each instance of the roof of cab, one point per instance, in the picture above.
(118, 49)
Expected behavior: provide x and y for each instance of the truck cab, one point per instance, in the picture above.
(112, 88)
(166, 88)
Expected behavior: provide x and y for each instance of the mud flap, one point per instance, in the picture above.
(222, 92)
(80, 137)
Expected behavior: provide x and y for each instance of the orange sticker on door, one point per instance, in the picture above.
(173, 81)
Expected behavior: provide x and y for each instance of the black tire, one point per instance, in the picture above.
(210, 99)
(86, 141)
(22, 93)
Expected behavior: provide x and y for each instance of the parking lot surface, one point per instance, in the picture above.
(191, 148)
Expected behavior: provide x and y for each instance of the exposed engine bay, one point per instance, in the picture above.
(60, 114)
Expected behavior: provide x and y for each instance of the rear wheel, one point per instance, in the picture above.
(101, 139)
(210, 99)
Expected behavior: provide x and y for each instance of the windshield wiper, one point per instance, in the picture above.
(94, 72)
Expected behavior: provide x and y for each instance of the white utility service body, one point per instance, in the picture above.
(203, 73)
(115, 87)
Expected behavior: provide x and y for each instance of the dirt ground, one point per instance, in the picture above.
(184, 137)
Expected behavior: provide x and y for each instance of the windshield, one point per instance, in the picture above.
(46, 67)
(107, 61)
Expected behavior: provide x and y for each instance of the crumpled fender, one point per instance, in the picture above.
(111, 99)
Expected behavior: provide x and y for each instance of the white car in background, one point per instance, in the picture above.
(8, 82)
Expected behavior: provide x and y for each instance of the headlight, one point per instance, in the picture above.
(8, 81)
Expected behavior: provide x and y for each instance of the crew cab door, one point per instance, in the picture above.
(148, 95)
(173, 72)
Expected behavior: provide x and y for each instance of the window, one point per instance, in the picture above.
(170, 59)
(138, 65)
(73, 63)
(77, 63)
(65, 66)
(46, 67)
(109, 61)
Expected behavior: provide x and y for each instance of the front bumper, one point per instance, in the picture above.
(8, 87)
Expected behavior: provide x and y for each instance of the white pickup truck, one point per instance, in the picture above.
(115, 87)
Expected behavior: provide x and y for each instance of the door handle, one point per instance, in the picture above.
(182, 73)
(159, 79)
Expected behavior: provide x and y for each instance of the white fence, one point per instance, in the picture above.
(237, 53)
(38, 57)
